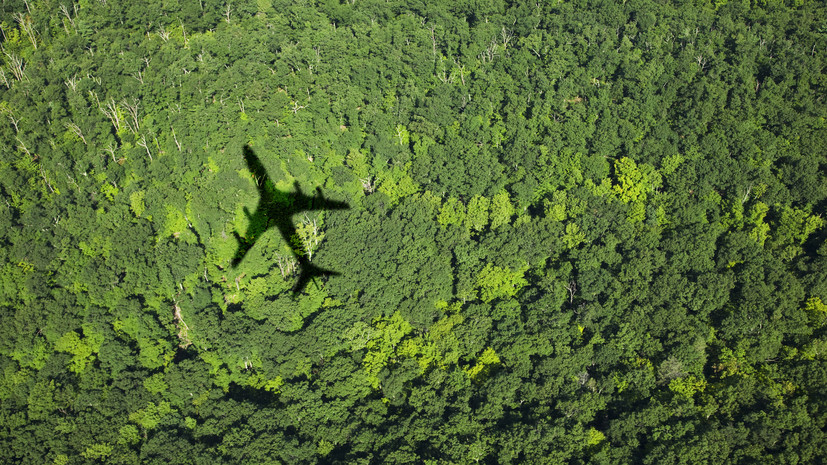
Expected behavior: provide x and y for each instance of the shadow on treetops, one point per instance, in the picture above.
(271, 212)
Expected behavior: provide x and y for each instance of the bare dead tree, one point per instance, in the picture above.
(163, 33)
(72, 182)
(94, 96)
(17, 66)
(132, 108)
(72, 83)
(368, 184)
(314, 228)
(227, 12)
(746, 194)
(25, 22)
(112, 111)
(400, 134)
(178, 144)
(111, 151)
(71, 20)
(7, 111)
(186, 39)
(506, 36)
(287, 264)
(183, 329)
(22, 147)
(160, 150)
(14, 122)
(76, 129)
(461, 69)
(297, 107)
(45, 178)
(142, 143)
(490, 52)
(572, 288)
(444, 78)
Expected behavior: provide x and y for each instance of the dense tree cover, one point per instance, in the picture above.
(579, 232)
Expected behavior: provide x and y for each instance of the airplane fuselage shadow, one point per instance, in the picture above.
(275, 209)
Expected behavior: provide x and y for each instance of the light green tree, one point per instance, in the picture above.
(501, 209)
(496, 282)
(477, 217)
(451, 212)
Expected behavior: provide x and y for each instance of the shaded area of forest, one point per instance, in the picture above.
(579, 232)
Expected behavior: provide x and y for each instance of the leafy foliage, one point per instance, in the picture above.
(579, 232)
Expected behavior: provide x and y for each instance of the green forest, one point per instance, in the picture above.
(566, 232)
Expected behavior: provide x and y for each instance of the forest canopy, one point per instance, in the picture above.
(577, 232)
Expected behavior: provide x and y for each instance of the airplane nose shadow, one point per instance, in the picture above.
(276, 209)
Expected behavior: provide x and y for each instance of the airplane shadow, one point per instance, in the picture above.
(275, 209)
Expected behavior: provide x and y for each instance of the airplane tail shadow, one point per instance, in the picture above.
(308, 272)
